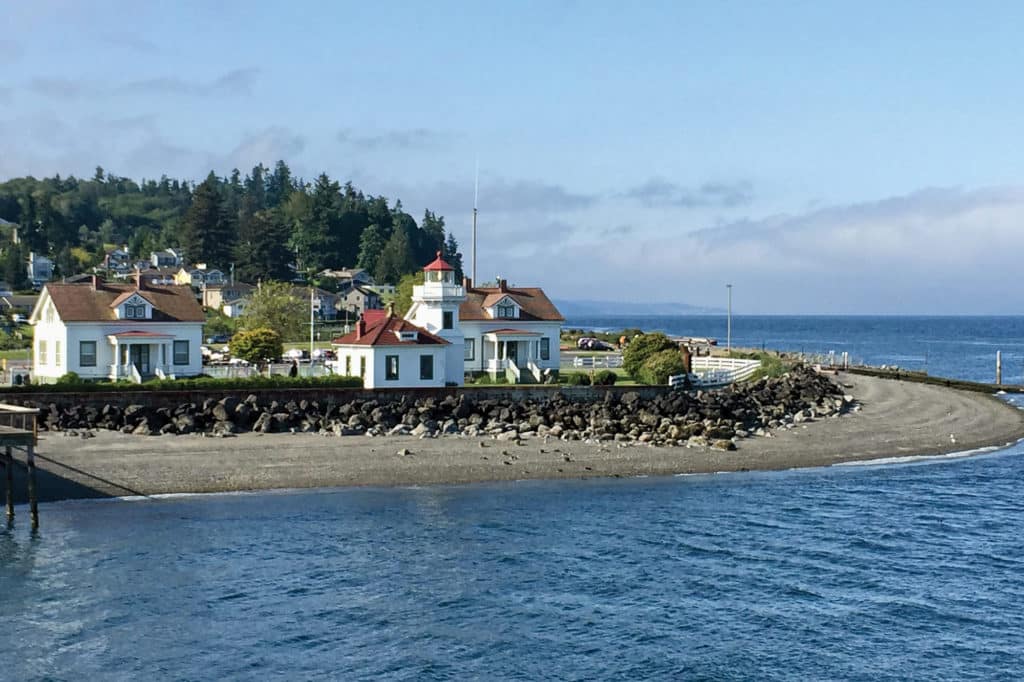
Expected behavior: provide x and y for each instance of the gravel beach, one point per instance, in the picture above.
(896, 419)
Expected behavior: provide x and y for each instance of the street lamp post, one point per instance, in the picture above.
(728, 322)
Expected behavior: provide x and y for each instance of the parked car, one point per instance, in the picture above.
(218, 338)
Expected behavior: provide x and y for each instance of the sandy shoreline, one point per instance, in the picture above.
(896, 419)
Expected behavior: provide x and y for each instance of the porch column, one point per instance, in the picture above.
(117, 360)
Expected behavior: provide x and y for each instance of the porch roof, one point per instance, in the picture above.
(512, 334)
(129, 335)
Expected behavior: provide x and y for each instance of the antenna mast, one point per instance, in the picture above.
(476, 195)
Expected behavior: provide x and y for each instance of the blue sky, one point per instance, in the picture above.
(823, 157)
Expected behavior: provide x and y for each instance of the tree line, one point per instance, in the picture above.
(268, 224)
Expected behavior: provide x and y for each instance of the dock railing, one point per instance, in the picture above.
(22, 418)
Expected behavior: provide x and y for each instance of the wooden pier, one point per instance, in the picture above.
(19, 431)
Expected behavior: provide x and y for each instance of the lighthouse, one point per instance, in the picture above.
(435, 307)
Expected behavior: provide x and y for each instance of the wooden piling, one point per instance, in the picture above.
(33, 501)
(9, 475)
(999, 367)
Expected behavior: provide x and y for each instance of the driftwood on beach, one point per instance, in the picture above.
(715, 418)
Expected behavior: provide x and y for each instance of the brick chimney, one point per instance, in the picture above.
(391, 309)
(360, 328)
(467, 283)
(95, 282)
(502, 285)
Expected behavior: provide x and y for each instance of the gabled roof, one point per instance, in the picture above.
(128, 294)
(385, 332)
(534, 305)
(82, 303)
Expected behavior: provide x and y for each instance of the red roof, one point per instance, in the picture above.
(438, 264)
(140, 335)
(372, 316)
(385, 332)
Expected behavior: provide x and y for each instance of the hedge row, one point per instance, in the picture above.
(71, 385)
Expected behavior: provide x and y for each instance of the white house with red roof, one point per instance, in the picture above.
(132, 331)
(390, 352)
(453, 329)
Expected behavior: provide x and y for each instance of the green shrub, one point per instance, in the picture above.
(69, 379)
(659, 367)
(577, 379)
(195, 384)
(605, 377)
(257, 345)
(643, 347)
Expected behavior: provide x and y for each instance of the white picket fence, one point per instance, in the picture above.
(709, 372)
(597, 361)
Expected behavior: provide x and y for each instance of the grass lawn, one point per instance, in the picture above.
(19, 354)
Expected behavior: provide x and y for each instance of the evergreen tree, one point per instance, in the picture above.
(396, 259)
(453, 256)
(15, 267)
(262, 250)
(207, 233)
(314, 239)
(279, 185)
(371, 245)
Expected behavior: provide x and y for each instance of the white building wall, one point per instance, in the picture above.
(408, 365)
(70, 335)
(475, 329)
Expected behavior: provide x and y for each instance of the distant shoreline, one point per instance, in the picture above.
(896, 419)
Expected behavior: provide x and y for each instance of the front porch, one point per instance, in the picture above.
(141, 355)
(514, 355)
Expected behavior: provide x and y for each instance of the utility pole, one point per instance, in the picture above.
(728, 322)
(476, 196)
(311, 290)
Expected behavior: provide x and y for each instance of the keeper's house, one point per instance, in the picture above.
(390, 352)
(101, 330)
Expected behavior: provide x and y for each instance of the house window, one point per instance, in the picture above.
(135, 312)
(87, 353)
(348, 365)
(42, 353)
(49, 313)
(391, 367)
(545, 348)
(181, 352)
(470, 353)
(447, 320)
(506, 311)
(426, 367)
(362, 366)
(56, 353)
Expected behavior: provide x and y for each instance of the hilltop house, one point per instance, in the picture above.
(356, 299)
(199, 276)
(216, 295)
(167, 258)
(40, 269)
(102, 330)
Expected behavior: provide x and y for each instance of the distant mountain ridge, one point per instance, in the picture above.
(577, 308)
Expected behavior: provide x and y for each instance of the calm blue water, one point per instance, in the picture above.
(957, 347)
(864, 573)
(882, 572)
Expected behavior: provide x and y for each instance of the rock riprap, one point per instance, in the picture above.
(707, 418)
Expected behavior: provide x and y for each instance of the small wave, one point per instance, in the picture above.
(909, 459)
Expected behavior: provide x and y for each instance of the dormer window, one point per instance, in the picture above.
(407, 336)
(135, 312)
(507, 311)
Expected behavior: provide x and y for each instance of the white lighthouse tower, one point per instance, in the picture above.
(435, 307)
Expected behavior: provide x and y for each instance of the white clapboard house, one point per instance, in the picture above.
(101, 330)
